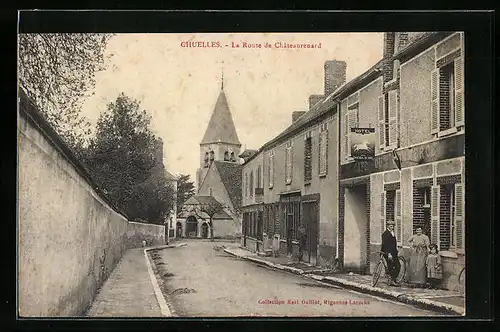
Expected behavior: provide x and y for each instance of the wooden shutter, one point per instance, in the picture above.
(459, 92)
(397, 213)
(346, 135)
(381, 122)
(435, 101)
(352, 123)
(393, 118)
(325, 150)
(271, 170)
(459, 215)
(435, 193)
(382, 211)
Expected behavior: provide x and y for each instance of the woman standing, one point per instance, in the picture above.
(419, 243)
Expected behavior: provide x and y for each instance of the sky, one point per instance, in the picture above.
(179, 86)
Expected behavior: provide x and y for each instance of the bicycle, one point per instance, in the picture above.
(461, 279)
(382, 267)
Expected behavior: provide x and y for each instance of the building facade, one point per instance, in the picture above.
(292, 181)
(413, 100)
(417, 107)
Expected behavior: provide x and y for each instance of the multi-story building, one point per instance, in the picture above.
(413, 100)
(292, 180)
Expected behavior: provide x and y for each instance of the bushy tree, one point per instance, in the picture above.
(185, 189)
(56, 70)
(123, 161)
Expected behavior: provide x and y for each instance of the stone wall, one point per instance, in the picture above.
(138, 232)
(70, 237)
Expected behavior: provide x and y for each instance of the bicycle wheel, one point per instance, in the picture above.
(377, 272)
(402, 270)
(461, 277)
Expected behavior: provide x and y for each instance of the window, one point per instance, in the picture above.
(351, 121)
(259, 176)
(226, 156)
(391, 209)
(246, 185)
(211, 192)
(323, 149)
(212, 156)
(447, 216)
(206, 159)
(270, 169)
(388, 131)
(308, 158)
(447, 96)
(288, 163)
(290, 208)
(251, 184)
(233, 158)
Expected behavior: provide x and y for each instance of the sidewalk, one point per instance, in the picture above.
(130, 289)
(439, 300)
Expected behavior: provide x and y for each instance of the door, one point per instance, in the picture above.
(204, 230)
(310, 210)
(245, 222)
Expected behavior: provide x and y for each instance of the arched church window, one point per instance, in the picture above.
(212, 156)
(206, 159)
(226, 156)
(233, 158)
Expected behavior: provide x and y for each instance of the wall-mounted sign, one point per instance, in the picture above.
(363, 143)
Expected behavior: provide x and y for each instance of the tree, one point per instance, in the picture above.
(56, 70)
(123, 160)
(185, 189)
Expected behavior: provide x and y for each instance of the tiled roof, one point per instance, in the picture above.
(221, 126)
(324, 105)
(230, 174)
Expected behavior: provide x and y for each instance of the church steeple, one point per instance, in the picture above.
(221, 128)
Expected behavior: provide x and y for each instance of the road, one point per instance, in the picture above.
(205, 282)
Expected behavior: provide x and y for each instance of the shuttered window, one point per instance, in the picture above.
(259, 177)
(382, 211)
(352, 122)
(251, 184)
(323, 150)
(288, 163)
(397, 213)
(447, 93)
(308, 157)
(393, 118)
(270, 170)
(459, 216)
(381, 123)
(435, 213)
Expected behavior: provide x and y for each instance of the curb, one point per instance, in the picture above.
(393, 295)
(165, 310)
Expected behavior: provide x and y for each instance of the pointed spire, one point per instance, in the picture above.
(221, 126)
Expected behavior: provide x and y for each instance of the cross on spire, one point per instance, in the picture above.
(222, 76)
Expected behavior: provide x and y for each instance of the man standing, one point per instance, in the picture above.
(390, 250)
(302, 241)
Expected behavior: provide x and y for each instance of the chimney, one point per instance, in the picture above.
(335, 75)
(296, 115)
(388, 66)
(313, 99)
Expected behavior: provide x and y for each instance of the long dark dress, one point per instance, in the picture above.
(416, 270)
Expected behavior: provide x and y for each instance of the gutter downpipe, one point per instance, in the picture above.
(339, 142)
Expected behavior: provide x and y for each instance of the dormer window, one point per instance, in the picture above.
(226, 156)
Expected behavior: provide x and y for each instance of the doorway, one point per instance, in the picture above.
(178, 229)
(355, 228)
(204, 230)
(310, 221)
(191, 226)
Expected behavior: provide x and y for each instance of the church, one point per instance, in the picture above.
(218, 181)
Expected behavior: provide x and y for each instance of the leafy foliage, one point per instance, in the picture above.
(123, 160)
(56, 70)
(185, 189)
